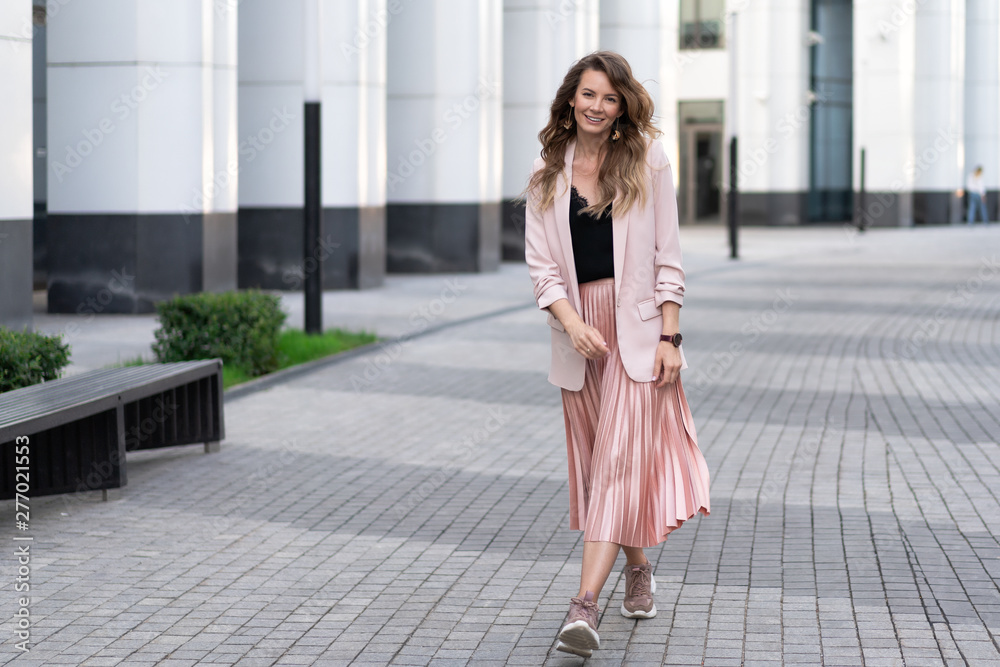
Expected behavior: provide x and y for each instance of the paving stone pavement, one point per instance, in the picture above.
(408, 506)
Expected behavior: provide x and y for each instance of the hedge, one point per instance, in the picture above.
(241, 328)
(27, 358)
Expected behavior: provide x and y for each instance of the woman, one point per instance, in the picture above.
(601, 242)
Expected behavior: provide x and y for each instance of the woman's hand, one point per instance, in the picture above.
(587, 340)
(667, 367)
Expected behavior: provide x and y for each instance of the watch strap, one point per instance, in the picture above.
(675, 339)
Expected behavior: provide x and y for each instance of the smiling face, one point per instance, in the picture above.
(596, 104)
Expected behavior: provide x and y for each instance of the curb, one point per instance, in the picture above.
(286, 374)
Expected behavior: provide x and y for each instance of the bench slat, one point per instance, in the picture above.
(92, 390)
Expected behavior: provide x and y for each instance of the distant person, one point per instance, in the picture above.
(603, 251)
(977, 195)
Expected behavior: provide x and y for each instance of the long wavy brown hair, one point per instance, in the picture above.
(621, 171)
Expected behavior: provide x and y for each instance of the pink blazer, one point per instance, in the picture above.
(647, 270)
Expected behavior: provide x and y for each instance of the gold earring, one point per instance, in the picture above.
(616, 135)
(568, 123)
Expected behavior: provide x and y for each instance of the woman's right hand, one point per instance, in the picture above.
(587, 340)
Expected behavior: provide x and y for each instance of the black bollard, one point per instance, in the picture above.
(861, 224)
(734, 223)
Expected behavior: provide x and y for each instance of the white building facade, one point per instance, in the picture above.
(157, 148)
(16, 171)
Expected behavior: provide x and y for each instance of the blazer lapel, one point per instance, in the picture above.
(561, 204)
(619, 231)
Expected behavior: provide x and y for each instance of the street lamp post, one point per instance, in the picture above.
(313, 206)
(732, 217)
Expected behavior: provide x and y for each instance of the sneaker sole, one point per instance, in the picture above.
(579, 635)
(582, 652)
(638, 613)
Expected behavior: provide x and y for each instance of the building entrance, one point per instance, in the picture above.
(701, 169)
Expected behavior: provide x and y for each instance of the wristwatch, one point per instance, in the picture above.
(675, 339)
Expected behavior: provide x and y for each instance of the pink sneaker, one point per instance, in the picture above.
(639, 589)
(579, 634)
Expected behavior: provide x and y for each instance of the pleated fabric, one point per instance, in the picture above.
(635, 470)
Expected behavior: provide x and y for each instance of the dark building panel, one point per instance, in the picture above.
(15, 274)
(512, 231)
(438, 238)
(351, 248)
(772, 208)
(125, 263)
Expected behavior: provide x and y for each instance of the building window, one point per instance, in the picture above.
(831, 133)
(702, 24)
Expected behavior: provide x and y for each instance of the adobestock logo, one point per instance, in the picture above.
(249, 148)
(122, 107)
(377, 22)
(453, 117)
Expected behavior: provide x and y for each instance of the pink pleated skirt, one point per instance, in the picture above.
(635, 470)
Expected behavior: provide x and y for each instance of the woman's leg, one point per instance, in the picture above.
(598, 559)
(635, 556)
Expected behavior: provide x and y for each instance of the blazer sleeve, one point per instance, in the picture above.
(550, 286)
(669, 274)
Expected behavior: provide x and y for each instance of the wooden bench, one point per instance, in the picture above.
(79, 428)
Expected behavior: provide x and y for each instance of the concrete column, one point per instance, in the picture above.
(772, 111)
(884, 110)
(939, 117)
(668, 97)
(16, 207)
(542, 39)
(142, 154)
(353, 136)
(445, 102)
(271, 173)
(982, 95)
(646, 34)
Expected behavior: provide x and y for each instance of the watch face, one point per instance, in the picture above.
(677, 340)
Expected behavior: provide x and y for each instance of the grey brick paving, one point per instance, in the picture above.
(409, 506)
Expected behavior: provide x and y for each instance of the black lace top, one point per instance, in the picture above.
(593, 241)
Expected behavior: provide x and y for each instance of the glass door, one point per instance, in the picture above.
(701, 171)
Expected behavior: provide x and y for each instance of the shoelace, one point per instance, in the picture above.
(640, 583)
(584, 609)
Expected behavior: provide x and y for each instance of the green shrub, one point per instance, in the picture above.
(27, 358)
(241, 328)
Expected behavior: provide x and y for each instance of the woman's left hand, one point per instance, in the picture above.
(667, 367)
